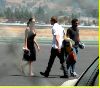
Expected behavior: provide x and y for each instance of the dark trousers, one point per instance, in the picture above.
(76, 49)
(54, 53)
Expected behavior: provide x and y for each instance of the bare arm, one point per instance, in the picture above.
(78, 38)
(25, 43)
(57, 41)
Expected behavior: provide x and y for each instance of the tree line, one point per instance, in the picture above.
(41, 15)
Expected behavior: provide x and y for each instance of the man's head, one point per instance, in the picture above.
(75, 22)
(53, 20)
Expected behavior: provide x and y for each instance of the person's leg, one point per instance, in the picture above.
(23, 64)
(50, 63)
(65, 58)
(73, 67)
(73, 73)
(32, 57)
(63, 64)
(76, 50)
(68, 63)
(30, 69)
(72, 64)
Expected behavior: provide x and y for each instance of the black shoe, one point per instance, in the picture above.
(65, 76)
(45, 75)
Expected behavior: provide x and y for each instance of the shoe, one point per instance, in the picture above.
(65, 76)
(74, 74)
(45, 75)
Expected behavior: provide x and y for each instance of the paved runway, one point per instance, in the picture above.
(10, 57)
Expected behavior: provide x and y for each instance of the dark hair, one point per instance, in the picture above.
(74, 20)
(30, 20)
(54, 18)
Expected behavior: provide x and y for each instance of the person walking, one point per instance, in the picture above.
(29, 48)
(70, 55)
(73, 33)
(57, 48)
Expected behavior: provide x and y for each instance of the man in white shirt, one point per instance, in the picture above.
(57, 48)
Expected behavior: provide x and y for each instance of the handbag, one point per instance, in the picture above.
(26, 55)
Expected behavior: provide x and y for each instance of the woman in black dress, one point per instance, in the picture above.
(29, 47)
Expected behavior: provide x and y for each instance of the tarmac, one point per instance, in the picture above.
(11, 75)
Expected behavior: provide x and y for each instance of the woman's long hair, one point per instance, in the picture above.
(31, 24)
(29, 21)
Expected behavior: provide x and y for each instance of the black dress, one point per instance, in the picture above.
(30, 45)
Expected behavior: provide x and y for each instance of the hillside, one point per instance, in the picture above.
(43, 8)
(14, 1)
(83, 7)
(60, 3)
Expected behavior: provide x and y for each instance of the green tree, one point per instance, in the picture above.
(22, 14)
(40, 14)
(1, 14)
(17, 13)
(74, 15)
(8, 13)
(26, 14)
(94, 13)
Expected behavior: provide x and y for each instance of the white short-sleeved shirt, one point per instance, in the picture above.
(57, 30)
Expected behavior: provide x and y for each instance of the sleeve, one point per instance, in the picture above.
(55, 31)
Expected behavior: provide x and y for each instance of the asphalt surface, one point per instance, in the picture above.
(11, 75)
